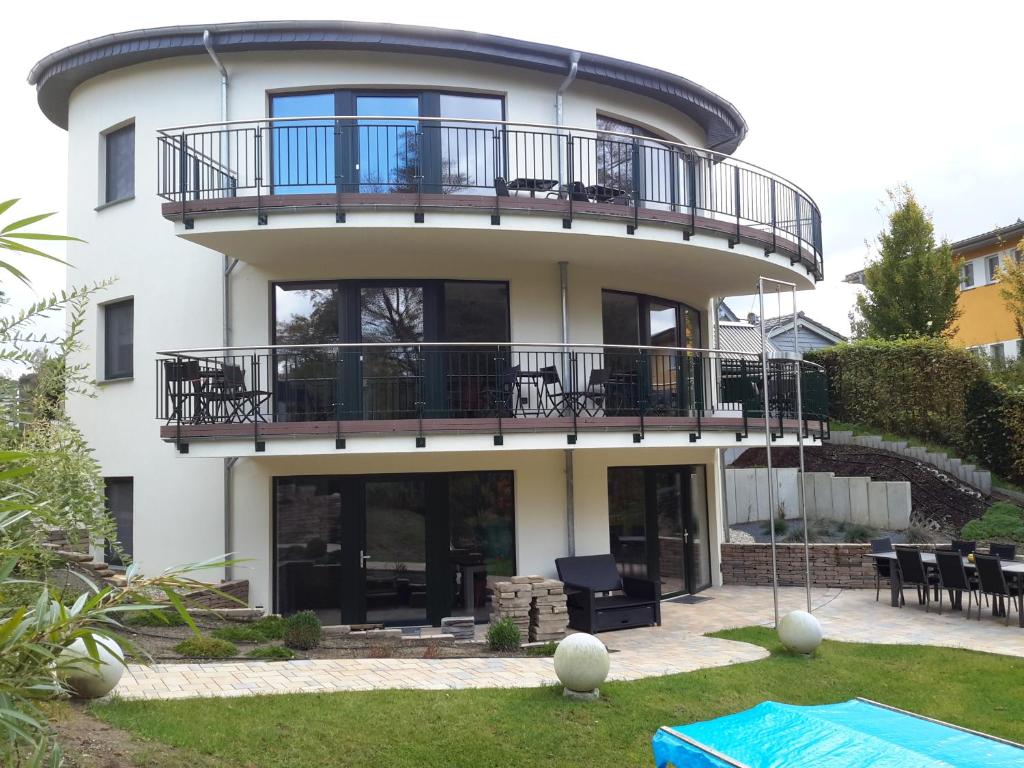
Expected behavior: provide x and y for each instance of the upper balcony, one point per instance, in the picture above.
(222, 179)
(398, 397)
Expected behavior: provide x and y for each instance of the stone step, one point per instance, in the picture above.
(74, 557)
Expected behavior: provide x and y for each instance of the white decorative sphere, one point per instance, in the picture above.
(800, 631)
(86, 678)
(581, 662)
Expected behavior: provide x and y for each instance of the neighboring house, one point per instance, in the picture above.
(986, 324)
(743, 336)
(402, 336)
(811, 334)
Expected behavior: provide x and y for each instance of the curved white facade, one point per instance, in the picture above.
(176, 279)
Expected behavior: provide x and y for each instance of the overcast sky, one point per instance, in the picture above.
(844, 100)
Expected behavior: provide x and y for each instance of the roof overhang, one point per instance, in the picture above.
(57, 75)
(1008, 235)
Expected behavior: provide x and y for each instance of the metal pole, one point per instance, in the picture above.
(800, 446)
(768, 450)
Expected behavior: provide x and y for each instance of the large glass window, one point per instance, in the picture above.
(396, 549)
(118, 339)
(658, 525)
(389, 150)
(303, 151)
(119, 493)
(468, 159)
(120, 164)
(482, 549)
(391, 375)
(643, 169)
(308, 546)
(306, 379)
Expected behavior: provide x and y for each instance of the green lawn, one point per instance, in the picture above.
(537, 727)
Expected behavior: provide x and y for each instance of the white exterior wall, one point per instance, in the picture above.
(176, 285)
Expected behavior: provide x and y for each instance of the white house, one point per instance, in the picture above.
(402, 310)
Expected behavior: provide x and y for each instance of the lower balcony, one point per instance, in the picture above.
(518, 395)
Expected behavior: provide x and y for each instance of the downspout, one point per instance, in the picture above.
(570, 505)
(574, 63)
(227, 266)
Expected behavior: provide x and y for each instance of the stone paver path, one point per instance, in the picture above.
(677, 646)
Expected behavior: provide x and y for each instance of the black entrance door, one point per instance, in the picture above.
(658, 525)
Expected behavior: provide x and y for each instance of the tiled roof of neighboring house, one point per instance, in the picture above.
(777, 325)
(1009, 234)
(57, 75)
(741, 337)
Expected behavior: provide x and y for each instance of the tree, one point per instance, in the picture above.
(1011, 275)
(912, 285)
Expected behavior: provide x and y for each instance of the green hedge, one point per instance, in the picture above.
(913, 387)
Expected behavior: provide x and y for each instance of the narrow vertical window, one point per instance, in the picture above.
(118, 345)
(967, 275)
(120, 493)
(120, 164)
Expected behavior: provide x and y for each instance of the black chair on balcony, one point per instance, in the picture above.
(563, 402)
(500, 187)
(599, 599)
(503, 396)
(883, 568)
(183, 389)
(912, 573)
(953, 579)
(993, 582)
(229, 398)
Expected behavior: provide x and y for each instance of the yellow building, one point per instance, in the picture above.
(986, 324)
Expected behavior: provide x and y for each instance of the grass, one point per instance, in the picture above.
(537, 727)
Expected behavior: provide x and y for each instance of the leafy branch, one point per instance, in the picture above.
(12, 234)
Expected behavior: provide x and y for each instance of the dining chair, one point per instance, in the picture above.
(183, 387)
(993, 582)
(883, 568)
(912, 571)
(953, 578)
(1003, 551)
(963, 547)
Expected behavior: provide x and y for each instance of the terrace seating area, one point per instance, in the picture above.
(995, 577)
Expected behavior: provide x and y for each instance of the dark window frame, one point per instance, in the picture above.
(111, 194)
(111, 371)
(644, 304)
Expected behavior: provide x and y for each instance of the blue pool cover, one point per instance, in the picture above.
(856, 733)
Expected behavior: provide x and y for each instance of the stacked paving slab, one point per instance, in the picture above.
(535, 604)
(549, 617)
(460, 627)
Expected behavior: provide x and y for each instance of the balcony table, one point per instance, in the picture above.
(1012, 568)
(530, 383)
(533, 186)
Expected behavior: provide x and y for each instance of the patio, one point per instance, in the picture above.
(679, 645)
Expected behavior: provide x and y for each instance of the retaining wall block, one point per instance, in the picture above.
(898, 493)
(859, 500)
(823, 493)
(878, 505)
(841, 508)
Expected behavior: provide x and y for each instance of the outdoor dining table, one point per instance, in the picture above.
(1012, 568)
(531, 185)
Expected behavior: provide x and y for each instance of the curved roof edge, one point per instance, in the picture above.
(56, 76)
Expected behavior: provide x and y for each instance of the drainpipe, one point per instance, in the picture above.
(227, 267)
(574, 61)
(570, 507)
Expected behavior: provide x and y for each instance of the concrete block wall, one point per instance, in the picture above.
(884, 505)
(966, 473)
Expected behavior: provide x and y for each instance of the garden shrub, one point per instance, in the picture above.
(302, 631)
(272, 627)
(152, 619)
(206, 648)
(858, 533)
(271, 653)
(240, 634)
(503, 635)
(912, 387)
(1003, 522)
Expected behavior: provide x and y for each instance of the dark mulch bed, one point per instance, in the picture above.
(936, 498)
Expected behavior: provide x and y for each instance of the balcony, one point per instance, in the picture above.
(428, 165)
(346, 392)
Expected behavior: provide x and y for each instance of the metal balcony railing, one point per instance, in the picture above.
(345, 155)
(513, 385)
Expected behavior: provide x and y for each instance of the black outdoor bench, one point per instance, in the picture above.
(599, 599)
